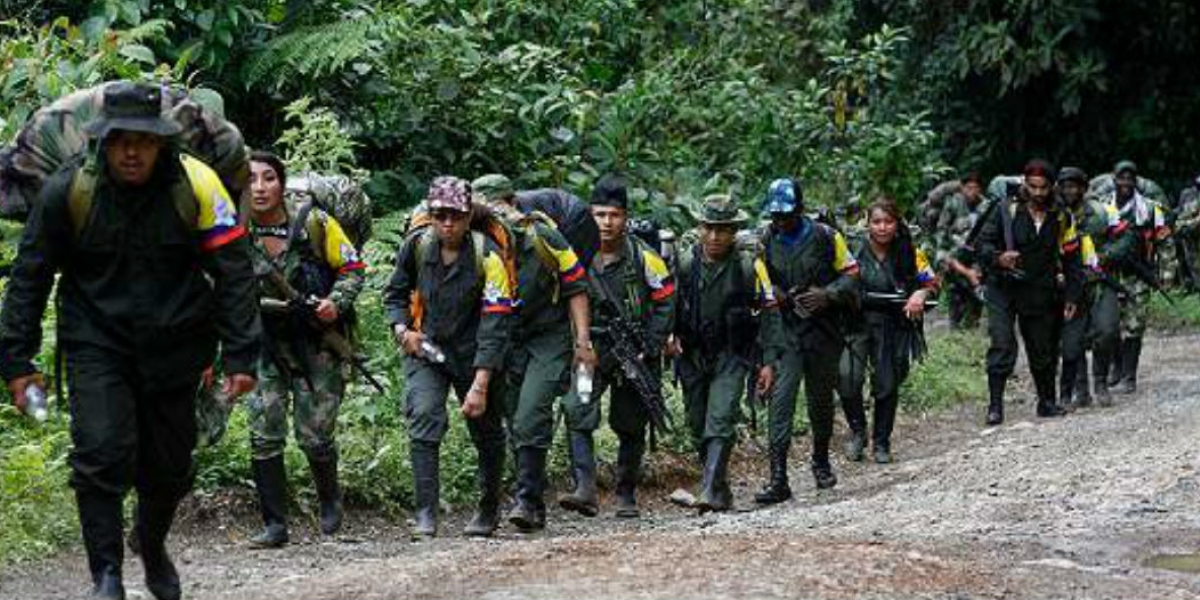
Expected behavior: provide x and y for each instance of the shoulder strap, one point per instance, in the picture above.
(300, 225)
(479, 246)
(83, 191)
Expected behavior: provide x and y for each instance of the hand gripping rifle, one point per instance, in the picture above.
(628, 347)
(294, 302)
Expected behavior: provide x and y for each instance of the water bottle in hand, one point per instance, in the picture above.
(36, 404)
(584, 383)
(431, 352)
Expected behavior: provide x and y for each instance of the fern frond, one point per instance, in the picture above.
(320, 50)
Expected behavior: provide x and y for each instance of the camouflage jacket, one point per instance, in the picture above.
(954, 225)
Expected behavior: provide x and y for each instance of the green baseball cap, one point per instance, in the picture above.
(492, 187)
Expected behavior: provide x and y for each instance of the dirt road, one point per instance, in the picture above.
(1065, 508)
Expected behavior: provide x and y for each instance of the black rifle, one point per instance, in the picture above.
(1145, 273)
(890, 300)
(296, 303)
(628, 347)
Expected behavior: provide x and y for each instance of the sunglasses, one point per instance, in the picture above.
(447, 215)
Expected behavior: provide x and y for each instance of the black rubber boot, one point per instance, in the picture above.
(1083, 384)
(583, 468)
(629, 464)
(715, 494)
(529, 511)
(995, 412)
(109, 586)
(156, 513)
(885, 422)
(777, 488)
(1131, 353)
(424, 457)
(1047, 404)
(100, 521)
(1100, 366)
(629, 467)
(855, 444)
(489, 474)
(329, 495)
(856, 419)
(822, 472)
(1066, 383)
(1116, 364)
(270, 480)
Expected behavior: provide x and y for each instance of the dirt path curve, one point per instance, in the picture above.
(1067, 508)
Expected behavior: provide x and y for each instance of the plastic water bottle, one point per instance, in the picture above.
(35, 402)
(431, 352)
(584, 383)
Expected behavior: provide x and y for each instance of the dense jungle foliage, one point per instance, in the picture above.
(856, 97)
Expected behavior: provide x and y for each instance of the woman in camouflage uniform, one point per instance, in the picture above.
(307, 249)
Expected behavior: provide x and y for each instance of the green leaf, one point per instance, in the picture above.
(137, 52)
(205, 19)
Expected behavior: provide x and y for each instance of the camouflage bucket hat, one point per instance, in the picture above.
(720, 209)
(132, 106)
(493, 187)
(449, 193)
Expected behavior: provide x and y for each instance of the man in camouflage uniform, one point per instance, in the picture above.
(155, 271)
(961, 273)
(812, 265)
(306, 249)
(1184, 236)
(1104, 241)
(639, 278)
(725, 313)
(1146, 219)
(1025, 243)
(551, 334)
(450, 302)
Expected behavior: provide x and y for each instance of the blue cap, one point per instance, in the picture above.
(784, 196)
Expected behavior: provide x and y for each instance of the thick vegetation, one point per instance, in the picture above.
(686, 96)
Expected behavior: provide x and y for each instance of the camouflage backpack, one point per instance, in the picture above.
(55, 135)
(1103, 187)
(338, 196)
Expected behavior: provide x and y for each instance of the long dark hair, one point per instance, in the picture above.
(904, 255)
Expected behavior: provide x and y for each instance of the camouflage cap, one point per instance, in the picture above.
(492, 187)
(132, 106)
(720, 209)
(450, 193)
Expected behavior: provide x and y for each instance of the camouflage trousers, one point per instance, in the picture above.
(314, 401)
(1133, 310)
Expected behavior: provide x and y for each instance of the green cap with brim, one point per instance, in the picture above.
(493, 187)
(131, 106)
(720, 209)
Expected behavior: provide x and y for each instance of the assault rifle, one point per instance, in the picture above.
(628, 347)
(1145, 273)
(1121, 289)
(891, 300)
(295, 303)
